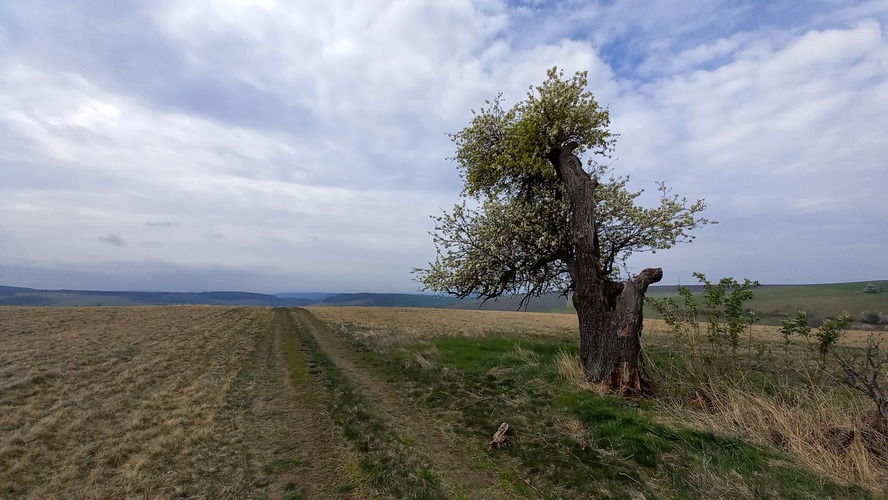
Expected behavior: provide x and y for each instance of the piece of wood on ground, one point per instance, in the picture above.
(500, 438)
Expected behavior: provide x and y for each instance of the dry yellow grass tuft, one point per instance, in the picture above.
(820, 434)
(526, 356)
(569, 367)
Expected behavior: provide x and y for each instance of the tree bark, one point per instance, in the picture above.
(610, 314)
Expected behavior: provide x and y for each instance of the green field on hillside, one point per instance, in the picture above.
(820, 301)
(773, 303)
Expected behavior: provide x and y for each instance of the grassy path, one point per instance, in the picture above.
(324, 456)
(448, 468)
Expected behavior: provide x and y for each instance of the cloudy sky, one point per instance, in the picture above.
(273, 146)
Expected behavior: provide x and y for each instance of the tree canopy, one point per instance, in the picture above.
(512, 232)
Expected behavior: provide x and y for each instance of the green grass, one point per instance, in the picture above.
(488, 352)
(571, 443)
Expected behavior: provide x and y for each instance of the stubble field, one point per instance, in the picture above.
(143, 402)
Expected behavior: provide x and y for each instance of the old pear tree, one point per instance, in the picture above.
(540, 213)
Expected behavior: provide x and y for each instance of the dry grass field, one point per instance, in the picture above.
(409, 324)
(144, 402)
(412, 323)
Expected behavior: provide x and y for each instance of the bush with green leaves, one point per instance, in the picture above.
(721, 304)
(819, 342)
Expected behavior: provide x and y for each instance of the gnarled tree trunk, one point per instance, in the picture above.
(609, 313)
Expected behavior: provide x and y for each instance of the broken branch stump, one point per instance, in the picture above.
(500, 438)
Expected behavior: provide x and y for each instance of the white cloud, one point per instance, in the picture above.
(312, 136)
(788, 124)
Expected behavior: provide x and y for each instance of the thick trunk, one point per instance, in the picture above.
(610, 336)
(610, 314)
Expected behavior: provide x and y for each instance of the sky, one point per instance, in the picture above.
(272, 146)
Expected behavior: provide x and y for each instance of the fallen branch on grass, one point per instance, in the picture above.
(472, 403)
(500, 438)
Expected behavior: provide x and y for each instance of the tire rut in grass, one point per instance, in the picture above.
(429, 449)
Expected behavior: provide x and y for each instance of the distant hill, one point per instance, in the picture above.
(17, 296)
(389, 300)
(772, 302)
(313, 296)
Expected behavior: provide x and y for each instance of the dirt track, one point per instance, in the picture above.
(324, 452)
(452, 462)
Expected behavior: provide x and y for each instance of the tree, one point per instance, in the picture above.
(534, 220)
